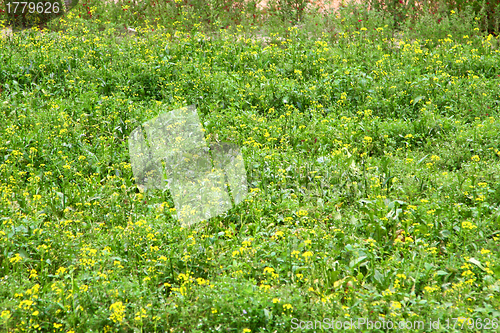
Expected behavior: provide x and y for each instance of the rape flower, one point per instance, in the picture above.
(307, 254)
(278, 233)
(118, 312)
(484, 251)
(17, 258)
(430, 290)
(25, 304)
(468, 225)
(5, 315)
(202, 281)
(395, 305)
(269, 270)
(302, 213)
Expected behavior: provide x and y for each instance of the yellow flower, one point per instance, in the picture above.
(468, 225)
(60, 271)
(118, 312)
(201, 281)
(475, 158)
(25, 304)
(276, 300)
(246, 330)
(484, 251)
(287, 306)
(278, 233)
(307, 254)
(268, 270)
(33, 274)
(5, 315)
(17, 258)
(214, 310)
(430, 290)
(395, 305)
(302, 213)
(266, 287)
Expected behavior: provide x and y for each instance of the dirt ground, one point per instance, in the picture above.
(323, 5)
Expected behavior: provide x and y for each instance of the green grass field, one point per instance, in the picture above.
(372, 155)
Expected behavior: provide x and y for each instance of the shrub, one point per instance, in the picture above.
(485, 10)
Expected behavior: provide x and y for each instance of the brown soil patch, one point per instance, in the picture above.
(322, 5)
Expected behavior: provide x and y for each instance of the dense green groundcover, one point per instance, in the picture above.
(372, 157)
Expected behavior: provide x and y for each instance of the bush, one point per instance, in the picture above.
(401, 10)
